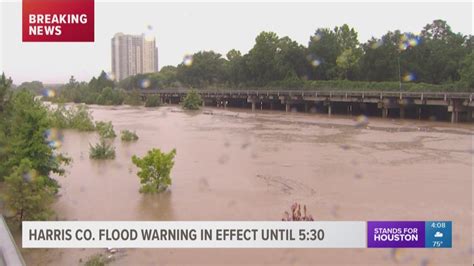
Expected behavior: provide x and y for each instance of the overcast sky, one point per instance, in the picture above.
(182, 28)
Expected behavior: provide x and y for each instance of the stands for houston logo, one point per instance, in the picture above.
(58, 20)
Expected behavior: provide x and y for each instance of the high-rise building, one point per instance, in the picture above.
(133, 54)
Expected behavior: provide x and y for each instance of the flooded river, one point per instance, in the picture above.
(238, 165)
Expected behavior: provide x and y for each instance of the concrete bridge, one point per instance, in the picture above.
(444, 106)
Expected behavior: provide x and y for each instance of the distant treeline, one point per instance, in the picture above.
(436, 56)
(436, 59)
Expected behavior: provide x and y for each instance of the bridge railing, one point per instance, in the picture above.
(338, 93)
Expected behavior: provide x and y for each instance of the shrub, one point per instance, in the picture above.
(75, 117)
(102, 150)
(110, 96)
(192, 101)
(105, 129)
(296, 214)
(133, 98)
(98, 260)
(128, 135)
(155, 169)
(153, 101)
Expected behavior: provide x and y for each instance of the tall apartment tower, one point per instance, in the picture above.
(133, 54)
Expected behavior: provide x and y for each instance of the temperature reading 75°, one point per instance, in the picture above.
(437, 244)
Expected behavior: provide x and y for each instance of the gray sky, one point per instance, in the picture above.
(182, 28)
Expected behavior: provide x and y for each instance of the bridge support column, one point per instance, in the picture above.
(203, 103)
(306, 107)
(253, 106)
(419, 113)
(261, 105)
(271, 105)
(225, 104)
(384, 112)
(329, 110)
(349, 109)
(454, 116)
(469, 115)
(454, 109)
(402, 112)
(287, 107)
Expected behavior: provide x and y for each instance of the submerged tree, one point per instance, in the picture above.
(192, 101)
(155, 170)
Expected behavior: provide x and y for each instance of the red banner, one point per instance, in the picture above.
(58, 20)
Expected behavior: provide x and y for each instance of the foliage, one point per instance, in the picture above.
(103, 150)
(25, 131)
(296, 214)
(75, 117)
(109, 96)
(153, 101)
(203, 70)
(132, 98)
(467, 71)
(155, 170)
(98, 260)
(105, 129)
(33, 86)
(27, 194)
(192, 101)
(27, 156)
(128, 135)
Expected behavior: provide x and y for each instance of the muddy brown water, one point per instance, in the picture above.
(238, 165)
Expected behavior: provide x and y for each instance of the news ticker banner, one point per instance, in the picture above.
(245, 234)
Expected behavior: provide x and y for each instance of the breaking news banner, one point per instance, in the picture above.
(58, 21)
(320, 234)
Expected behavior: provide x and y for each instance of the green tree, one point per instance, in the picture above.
(467, 71)
(205, 69)
(261, 60)
(27, 127)
(347, 61)
(192, 101)
(27, 194)
(101, 82)
(105, 129)
(103, 150)
(323, 51)
(440, 53)
(379, 62)
(155, 170)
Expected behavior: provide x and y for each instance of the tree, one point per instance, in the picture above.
(27, 194)
(205, 69)
(379, 62)
(467, 71)
(27, 126)
(347, 61)
(101, 82)
(5, 85)
(261, 60)
(155, 170)
(235, 68)
(192, 101)
(441, 53)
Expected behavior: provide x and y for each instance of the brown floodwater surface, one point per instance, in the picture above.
(238, 165)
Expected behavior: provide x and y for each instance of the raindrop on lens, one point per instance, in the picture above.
(188, 60)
